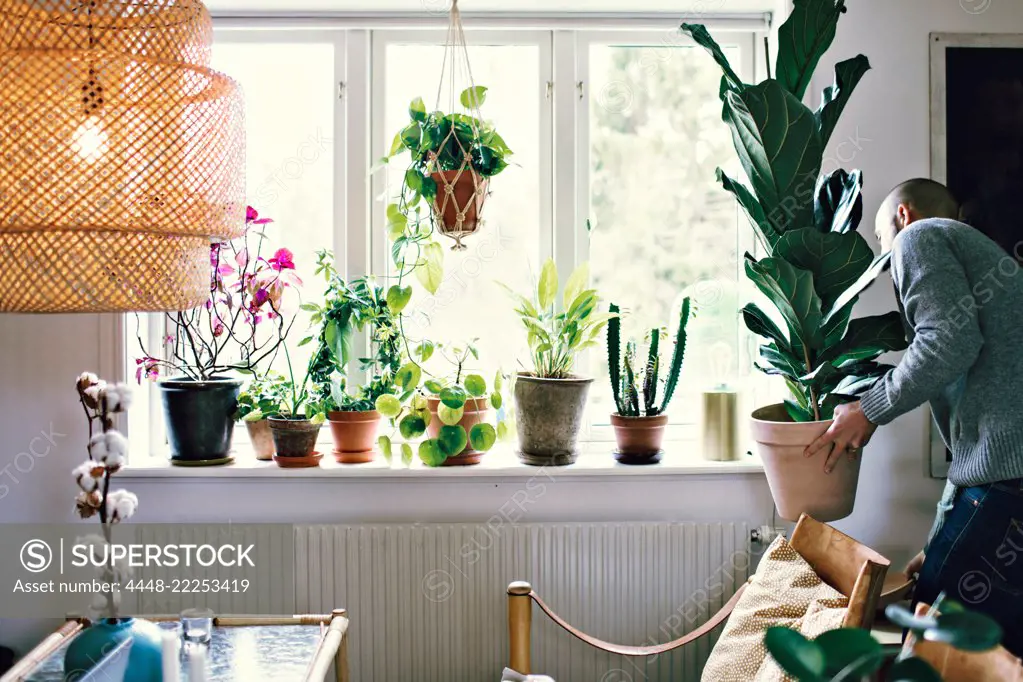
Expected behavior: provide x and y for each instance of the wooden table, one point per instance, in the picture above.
(242, 649)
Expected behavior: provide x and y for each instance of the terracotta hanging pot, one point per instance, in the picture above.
(475, 412)
(458, 205)
(799, 484)
(355, 435)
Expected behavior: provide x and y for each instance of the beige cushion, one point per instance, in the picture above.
(784, 591)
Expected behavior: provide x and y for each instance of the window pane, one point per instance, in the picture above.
(469, 304)
(289, 120)
(662, 228)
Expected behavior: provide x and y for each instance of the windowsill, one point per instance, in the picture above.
(595, 463)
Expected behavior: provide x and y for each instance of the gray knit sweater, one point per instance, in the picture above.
(961, 297)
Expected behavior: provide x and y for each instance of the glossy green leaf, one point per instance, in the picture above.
(406, 454)
(425, 350)
(431, 453)
(576, 283)
(450, 415)
(411, 136)
(839, 203)
(803, 39)
(474, 97)
(798, 413)
(417, 109)
(408, 376)
(503, 432)
(912, 670)
(476, 385)
(852, 652)
(452, 440)
(496, 400)
(780, 149)
(397, 298)
(384, 443)
(434, 386)
(412, 426)
(791, 291)
(430, 271)
(482, 437)
(847, 76)
(867, 337)
(389, 406)
(796, 655)
(849, 296)
(758, 322)
(966, 631)
(754, 211)
(836, 261)
(396, 146)
(453, 396)
(547, 288)
(702, 37)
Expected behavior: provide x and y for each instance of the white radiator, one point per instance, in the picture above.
(428, 602)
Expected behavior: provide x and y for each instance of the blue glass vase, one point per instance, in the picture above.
(145, 663)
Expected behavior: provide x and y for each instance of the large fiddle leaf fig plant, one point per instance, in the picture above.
(815, 264)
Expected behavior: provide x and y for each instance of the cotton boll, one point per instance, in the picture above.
(121, 505)
(110, 448)
(88, 475)
(91, 394)
(86, 380)
(116, 397)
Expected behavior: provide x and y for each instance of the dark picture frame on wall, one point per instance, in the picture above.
(977, 143)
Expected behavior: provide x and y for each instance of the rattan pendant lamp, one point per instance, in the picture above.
(121, 155)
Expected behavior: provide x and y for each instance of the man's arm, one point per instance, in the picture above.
(940, 307)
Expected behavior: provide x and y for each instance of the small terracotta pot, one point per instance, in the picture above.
(469, 194)
(355, 435)
(639, 438)
(262, 439)
(475, 412)
(799, 484)
(295, 442)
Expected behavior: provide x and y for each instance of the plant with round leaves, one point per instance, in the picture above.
(555, 334)
(849, 654)
(350, 307)
(262, 397)
(630, 382)
(436, 142)
(816, 264)
(410, 412)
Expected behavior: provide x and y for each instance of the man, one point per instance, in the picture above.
(961, 298)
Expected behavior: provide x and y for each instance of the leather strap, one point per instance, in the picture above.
(716, 620)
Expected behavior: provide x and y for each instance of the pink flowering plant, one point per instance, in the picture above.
(244, 322)
(107, 450)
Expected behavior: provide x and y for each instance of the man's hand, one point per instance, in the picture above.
(914, 565)
(850, 431)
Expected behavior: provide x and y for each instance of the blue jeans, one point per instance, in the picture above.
(975, 555)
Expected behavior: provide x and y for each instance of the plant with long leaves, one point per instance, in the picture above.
(816, 264)
(410, 414)
(852, 654)
(630, 382)
(351, 307)
(556, 336)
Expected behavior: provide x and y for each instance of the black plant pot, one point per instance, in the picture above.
(200, 419)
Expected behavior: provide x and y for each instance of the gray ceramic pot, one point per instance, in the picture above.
(200, 418)
(549, 416)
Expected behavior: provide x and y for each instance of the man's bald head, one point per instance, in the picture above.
(909, 202)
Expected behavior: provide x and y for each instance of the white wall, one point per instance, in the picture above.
(41, 356)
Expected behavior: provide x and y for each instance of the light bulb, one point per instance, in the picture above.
(90, 141)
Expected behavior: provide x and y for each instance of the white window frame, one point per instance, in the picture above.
(563, 77)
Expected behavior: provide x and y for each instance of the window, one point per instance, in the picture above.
(620, 128)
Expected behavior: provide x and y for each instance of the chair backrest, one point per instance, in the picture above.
(997, 665)
(850, 567)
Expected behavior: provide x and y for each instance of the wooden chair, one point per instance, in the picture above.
(853, 569)
(997, 665)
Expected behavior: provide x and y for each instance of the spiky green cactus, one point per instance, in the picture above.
(627, 384)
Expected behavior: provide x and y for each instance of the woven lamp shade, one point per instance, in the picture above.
(121, 155)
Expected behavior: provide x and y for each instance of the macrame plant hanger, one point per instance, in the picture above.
(461, 191)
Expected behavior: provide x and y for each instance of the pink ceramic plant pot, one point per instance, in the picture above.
(799, 484)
